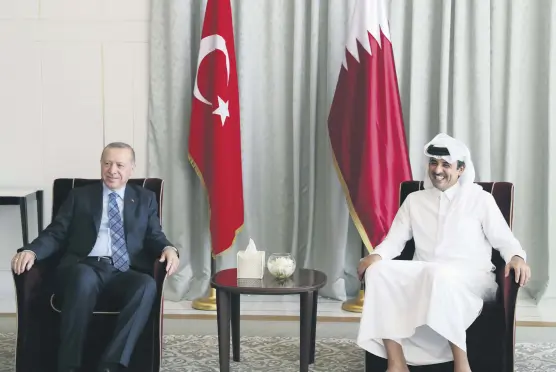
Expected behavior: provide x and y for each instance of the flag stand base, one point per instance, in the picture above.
(206, 303)
(355, 305)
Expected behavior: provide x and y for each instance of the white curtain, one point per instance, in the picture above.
(483, 71)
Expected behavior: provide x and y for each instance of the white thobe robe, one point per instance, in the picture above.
(424, 303)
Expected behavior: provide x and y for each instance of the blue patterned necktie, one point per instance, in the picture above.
(120, 258)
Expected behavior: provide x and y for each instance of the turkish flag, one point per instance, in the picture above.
(366, 125)
(214, 138)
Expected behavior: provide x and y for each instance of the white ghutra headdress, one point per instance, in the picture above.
(451, 150)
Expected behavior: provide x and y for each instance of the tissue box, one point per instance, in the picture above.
(250, 264)
(250, 283)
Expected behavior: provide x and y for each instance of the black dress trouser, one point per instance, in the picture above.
(79, 287)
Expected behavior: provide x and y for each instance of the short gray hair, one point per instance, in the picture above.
(120, 145)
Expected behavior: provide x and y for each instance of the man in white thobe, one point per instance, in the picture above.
(417, 312)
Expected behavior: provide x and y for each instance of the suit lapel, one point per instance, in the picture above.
(130, 205)
(96, 205)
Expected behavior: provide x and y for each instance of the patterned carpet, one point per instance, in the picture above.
(280, 354)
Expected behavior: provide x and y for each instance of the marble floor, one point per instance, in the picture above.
(281, 354)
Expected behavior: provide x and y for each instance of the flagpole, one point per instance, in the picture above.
(355, 305)
(207, 303)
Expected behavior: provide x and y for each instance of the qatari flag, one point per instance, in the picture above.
(365, 124)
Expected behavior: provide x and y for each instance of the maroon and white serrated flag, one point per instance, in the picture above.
(366, 126)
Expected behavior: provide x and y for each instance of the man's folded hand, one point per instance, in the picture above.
(170, 256)
(365, 263)
(23, 261)
(521, 269)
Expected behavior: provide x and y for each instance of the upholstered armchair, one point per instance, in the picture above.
(491, 338)
(38, 308)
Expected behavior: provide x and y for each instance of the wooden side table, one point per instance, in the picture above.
(304, 282)
(19, 197)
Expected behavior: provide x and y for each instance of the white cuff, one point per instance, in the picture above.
(174, 248)
(27, 250)
(518, 254)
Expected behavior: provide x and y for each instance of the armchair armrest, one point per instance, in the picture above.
(159, 274)
(509, 290)
(27, 289)
(32, 286)
(33, 289)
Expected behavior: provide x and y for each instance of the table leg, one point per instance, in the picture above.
(314, 327)
(223, 307)
(306, 305)
(40, 210)
(235, 326)
(24, 225)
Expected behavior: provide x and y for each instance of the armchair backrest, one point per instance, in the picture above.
(503, 193)
(62, 187)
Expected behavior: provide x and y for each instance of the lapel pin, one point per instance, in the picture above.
(133, 201)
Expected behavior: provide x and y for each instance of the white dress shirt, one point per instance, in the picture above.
(459, 226)
(103, 244)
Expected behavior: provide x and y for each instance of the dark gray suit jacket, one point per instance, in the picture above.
(75, 228)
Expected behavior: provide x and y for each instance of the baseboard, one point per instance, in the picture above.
(294, 318)
(547, 302)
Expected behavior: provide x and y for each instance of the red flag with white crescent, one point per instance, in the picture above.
(366, 126)
(214, 137)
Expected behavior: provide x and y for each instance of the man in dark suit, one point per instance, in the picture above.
(110, 233)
